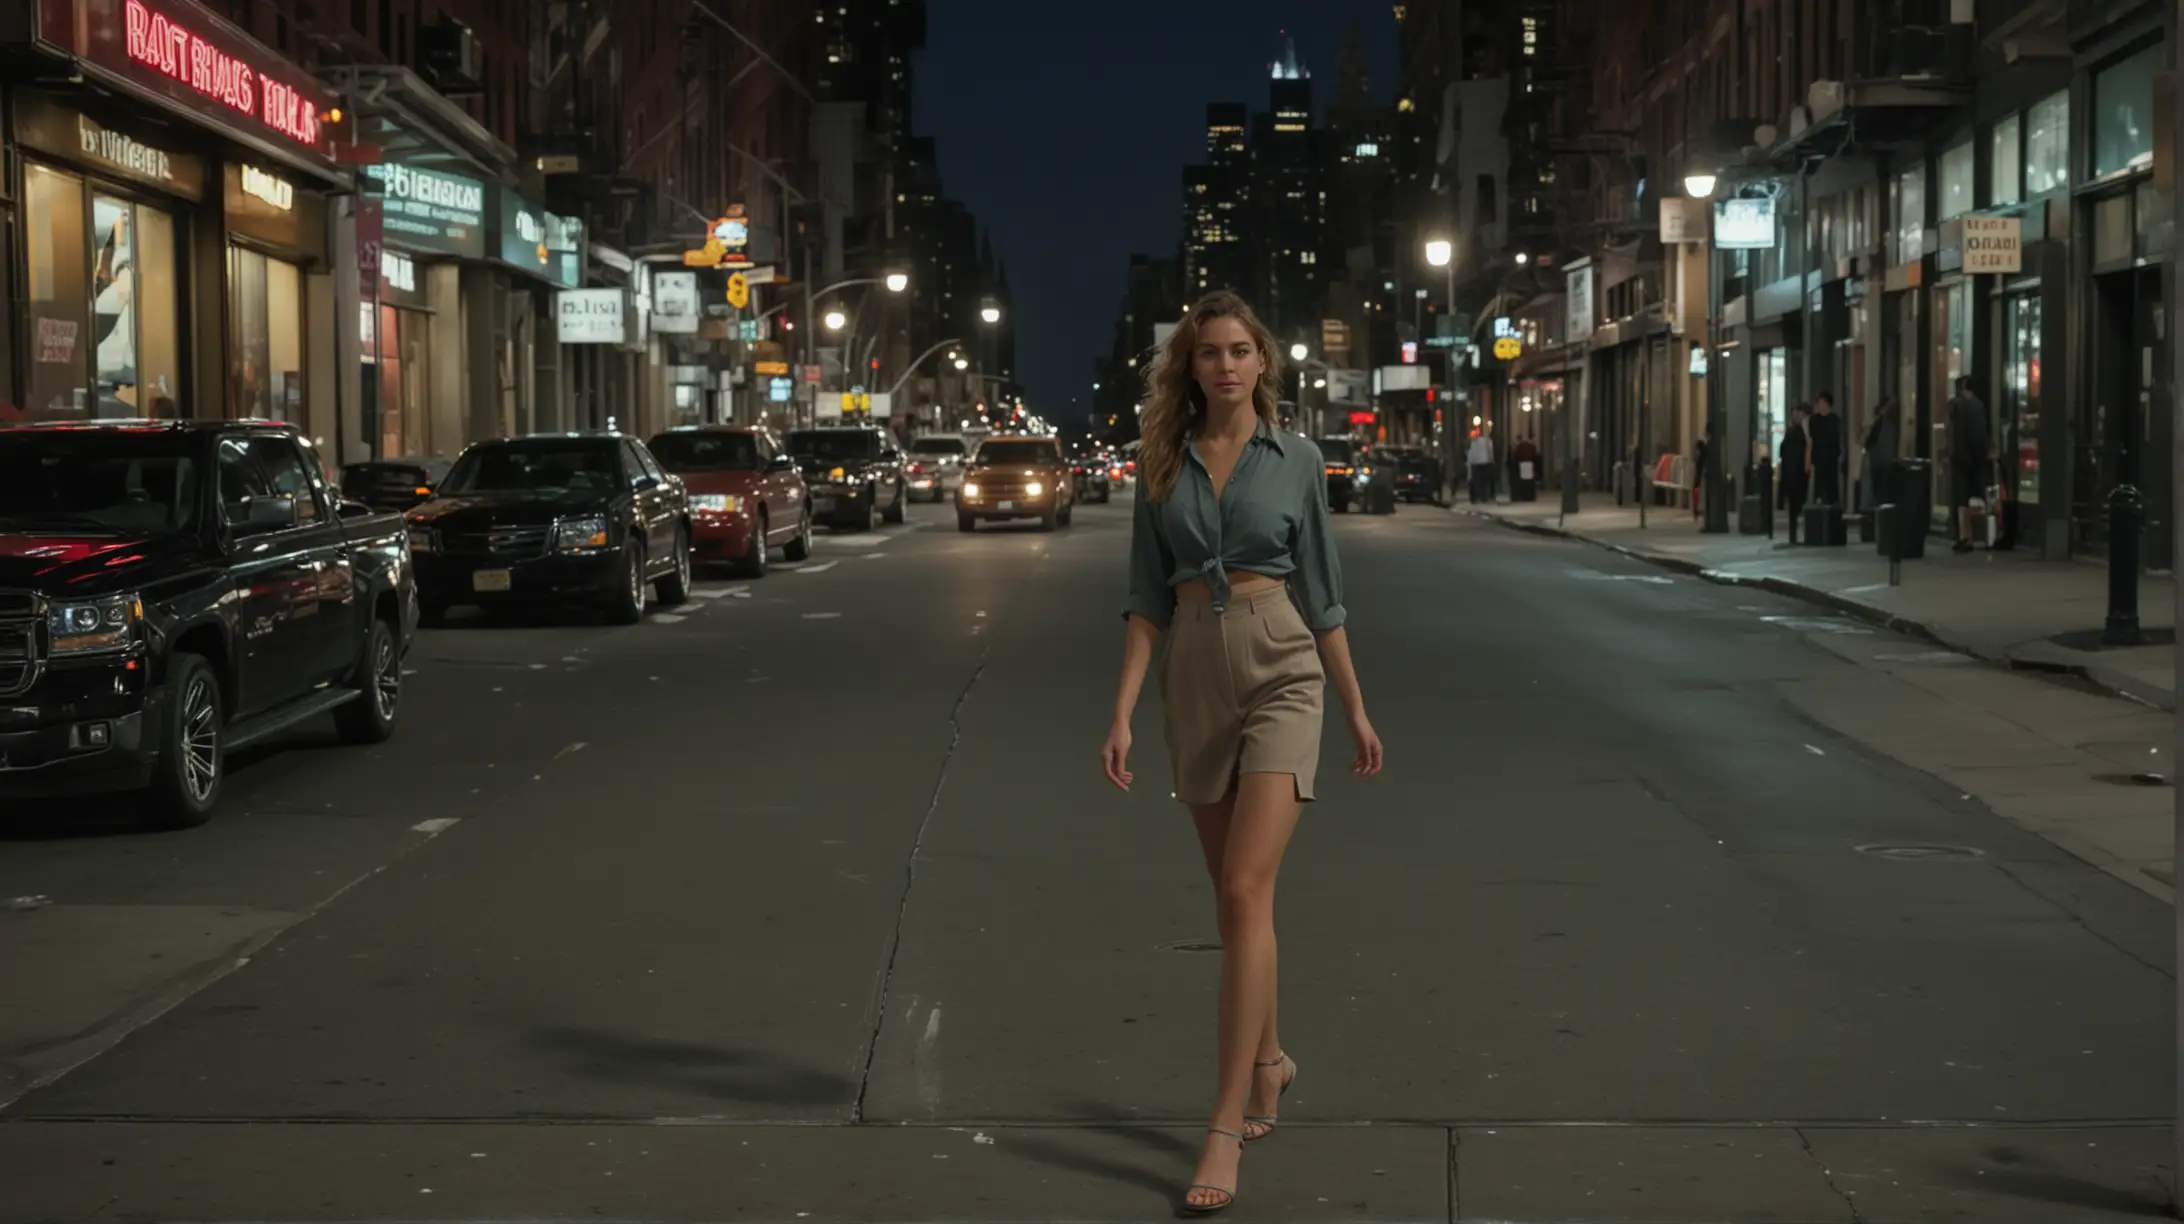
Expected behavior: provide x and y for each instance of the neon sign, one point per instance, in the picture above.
(173, 50)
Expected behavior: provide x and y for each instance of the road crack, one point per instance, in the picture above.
(1828, 1175)
(910, 879)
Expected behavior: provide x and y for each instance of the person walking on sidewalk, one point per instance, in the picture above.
(1796, 478)
(1232, 562)
(1481, 462)
(1824, 452)
(1698, 471)
(1971, 457)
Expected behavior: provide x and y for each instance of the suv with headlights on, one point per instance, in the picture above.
(1016, 478)
(853, 471)
(171, 591)
(555, 519)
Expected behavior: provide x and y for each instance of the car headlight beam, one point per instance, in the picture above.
(93, 626)
(970, 488)
(1034, 489)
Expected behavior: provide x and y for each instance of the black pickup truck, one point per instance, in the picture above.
(173, 591)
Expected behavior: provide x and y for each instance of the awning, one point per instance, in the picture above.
(393, 110)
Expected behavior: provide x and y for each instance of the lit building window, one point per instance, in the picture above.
(1368, 149)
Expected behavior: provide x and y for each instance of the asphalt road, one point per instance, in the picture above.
(807, 902)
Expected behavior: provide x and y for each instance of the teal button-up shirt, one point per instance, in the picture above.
(1272, 519)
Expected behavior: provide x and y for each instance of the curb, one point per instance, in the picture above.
(2114, 683)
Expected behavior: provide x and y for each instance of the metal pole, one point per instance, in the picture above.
(2126, 523)
(1717, 494)
(2176, 862)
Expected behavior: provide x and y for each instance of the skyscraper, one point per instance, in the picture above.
(1216, 201)
(1289, 200)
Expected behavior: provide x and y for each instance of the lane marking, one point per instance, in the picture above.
(822, 616)
(435, 826)
(572, 749)
(1814, 749)
(668, 618)
(708, 593)
(820, 568)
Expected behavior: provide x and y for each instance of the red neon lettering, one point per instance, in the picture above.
(172, 50)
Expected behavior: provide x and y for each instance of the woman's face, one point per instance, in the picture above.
(1227, 362)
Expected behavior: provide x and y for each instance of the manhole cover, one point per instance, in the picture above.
(1918, 853)
(1192, 945)
(2132, 779)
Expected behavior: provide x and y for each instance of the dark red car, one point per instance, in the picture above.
(746, 497)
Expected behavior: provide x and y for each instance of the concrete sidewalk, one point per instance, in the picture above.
(2006, 607)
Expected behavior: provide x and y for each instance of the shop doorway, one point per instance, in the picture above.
(2115, 438)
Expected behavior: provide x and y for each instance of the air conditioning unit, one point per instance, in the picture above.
(448, 53)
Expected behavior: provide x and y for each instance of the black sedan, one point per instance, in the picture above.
(555, 520)
(392, 484)
(852, 471)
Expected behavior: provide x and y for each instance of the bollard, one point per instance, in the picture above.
(2126, 520)
(1569, 486)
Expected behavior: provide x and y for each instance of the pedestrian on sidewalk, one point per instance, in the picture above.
(1971, 457)
(1481, 462)
(1698, 471)
(1796, 480)
(1233, 572)
(1824, 453)
(1883, 446)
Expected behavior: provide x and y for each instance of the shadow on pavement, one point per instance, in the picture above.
(2020, 1179)
(723, 1074)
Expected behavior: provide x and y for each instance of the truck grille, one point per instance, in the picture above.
(18, 656)
(499, 543)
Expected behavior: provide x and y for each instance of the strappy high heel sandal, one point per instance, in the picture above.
(1268, 1122)
(1227, 1193)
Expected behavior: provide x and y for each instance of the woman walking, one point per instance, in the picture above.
(1232, 558)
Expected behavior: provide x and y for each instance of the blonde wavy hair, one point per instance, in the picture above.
(1176, 407)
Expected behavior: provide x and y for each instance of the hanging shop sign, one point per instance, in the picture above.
(739, 290)
(591, 316)
(1334, 336)
(1744, 225)
(269, 208)
(779, 390)
(1508, 348)
(544, 244)
(1578, 284)
(181, 53)
(727, 242)
(43, 124)
(675, 307)
(772, 369)
(429, 210)
(1994, 245)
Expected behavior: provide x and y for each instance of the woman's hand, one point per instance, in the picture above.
(1115, 755)
(1369, 753)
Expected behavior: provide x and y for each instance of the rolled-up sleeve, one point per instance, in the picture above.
(1319, 569)
(1151, 563)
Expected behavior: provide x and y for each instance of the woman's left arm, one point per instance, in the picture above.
(1319, 581)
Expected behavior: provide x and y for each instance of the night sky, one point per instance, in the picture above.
(1065, 127)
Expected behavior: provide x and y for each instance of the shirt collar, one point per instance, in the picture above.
(1265, 434)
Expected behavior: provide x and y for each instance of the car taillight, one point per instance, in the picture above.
(917, 469)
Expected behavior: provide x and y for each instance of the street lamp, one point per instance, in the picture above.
(836, 320)
(1297, 351)
(1699, 186)
(897, 282)
(1439, 252)
(961, 364)
(991, 314)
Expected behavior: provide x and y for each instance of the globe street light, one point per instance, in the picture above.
(836, 320)
(1297, 351)
(991, 314)
(1699, 186)
(961, 364)
(897, 282)
(1439, 252)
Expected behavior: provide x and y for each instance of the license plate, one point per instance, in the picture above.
(490, 580)
(1009, 505)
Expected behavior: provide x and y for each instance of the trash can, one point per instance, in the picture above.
(1908, 486)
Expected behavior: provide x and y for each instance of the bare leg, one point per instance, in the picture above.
(1212, 821)
(1263, 815)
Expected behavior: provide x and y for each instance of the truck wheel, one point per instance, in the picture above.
(370, 718)
(675, 588)
(627, 605)
(188, 773)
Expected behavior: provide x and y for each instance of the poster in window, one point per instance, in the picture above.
(113, 307)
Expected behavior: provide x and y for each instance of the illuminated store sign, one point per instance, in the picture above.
(203, 62)
(278, 192)
(431, 211)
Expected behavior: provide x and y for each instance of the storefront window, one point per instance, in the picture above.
(2021, 392)
(1774, 402)
(2047, 145)
(60, 369)
(1950, 363)
(2006, 172)
(1957, 176)
(403, 368)
(2123, 113)
(265, 357)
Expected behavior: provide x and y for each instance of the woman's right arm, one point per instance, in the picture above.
(1147, 611)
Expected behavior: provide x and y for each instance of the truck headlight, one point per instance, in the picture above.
(94, 626)
(579, 534)
(1034, 489)
(970, 488)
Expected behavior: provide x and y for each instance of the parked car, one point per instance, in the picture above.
(936, 464)
(1092, 472)
(852, 471)
(746, 497)
(173, 591)
(553, 519)
(1417, 473)
(392, 484)
(1343, 457)
(1016, 478)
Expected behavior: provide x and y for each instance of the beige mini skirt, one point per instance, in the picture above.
(1243, 692)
